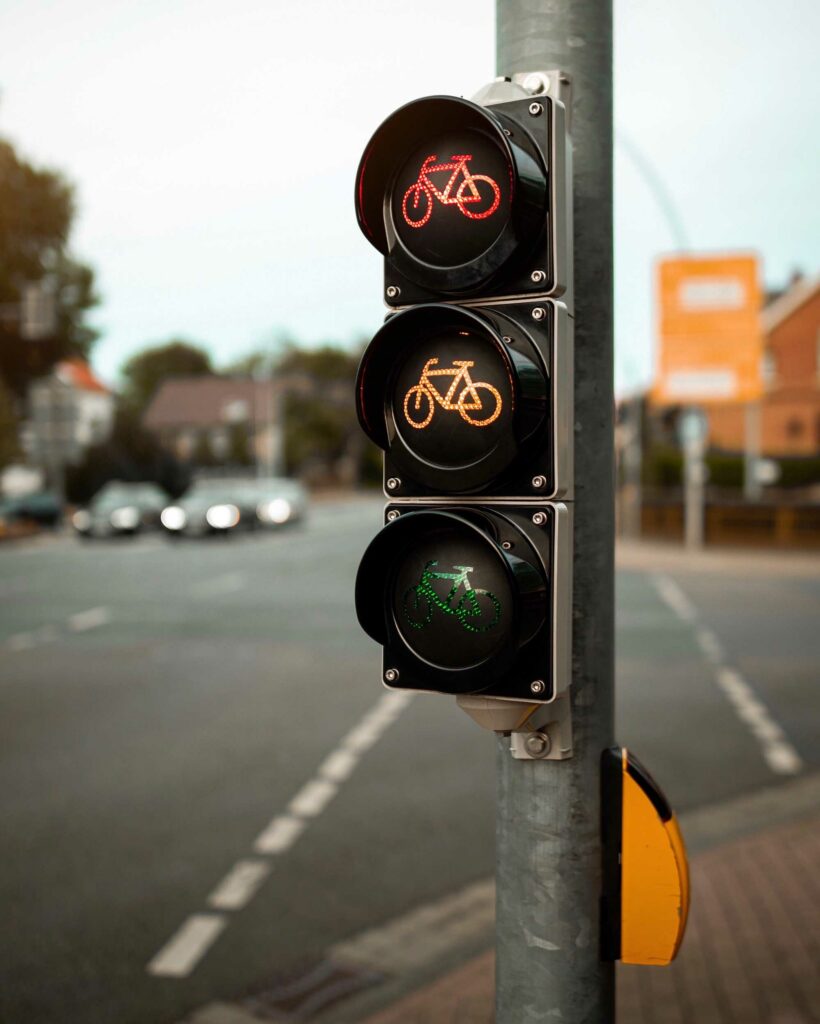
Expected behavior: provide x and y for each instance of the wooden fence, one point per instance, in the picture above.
(739, 525)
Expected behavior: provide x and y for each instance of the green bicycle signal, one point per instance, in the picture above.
(473, 606)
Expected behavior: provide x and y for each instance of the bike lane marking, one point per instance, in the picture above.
(192, 940)
(778, 752)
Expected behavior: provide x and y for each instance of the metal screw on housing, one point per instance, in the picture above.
(393, 292)
(507, 339)
(539, 518)
(536, 83)
(537, 276)
(539, 313)
(537, 686)
(392, 515)
(537, 482)
(391, 675)
(393, 483)
(536, 109)
(538, 744)
(506, 545)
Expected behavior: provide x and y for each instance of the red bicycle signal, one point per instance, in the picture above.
(472, 197)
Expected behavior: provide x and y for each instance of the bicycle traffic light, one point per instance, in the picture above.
(467, 389)
(460, 198)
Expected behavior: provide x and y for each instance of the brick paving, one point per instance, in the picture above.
(751, 953)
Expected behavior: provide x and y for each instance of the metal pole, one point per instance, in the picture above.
(751, 454)
(548, 871)
(694, 475)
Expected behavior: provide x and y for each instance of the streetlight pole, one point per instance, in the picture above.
(548, 825)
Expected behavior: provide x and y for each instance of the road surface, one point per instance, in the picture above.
(204, 785)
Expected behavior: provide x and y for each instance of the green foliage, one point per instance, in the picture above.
(36, 213)
(799, 472)
(724, 471)
(129, 454)
(662, 467)
(145, 371)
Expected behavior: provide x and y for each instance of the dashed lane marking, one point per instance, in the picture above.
(91, 619)
(50, 633)
(191, 942)
(238, 887)
(178, 957)
(779, 754)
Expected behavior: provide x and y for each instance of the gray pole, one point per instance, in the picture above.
(548, 834)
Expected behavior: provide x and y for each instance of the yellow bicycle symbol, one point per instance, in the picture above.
(420, 401)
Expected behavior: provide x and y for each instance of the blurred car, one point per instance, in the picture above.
(42, 508)
(212, 506)
(121, 508)
(279, 501)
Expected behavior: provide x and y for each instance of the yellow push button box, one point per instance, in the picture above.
(645, 873)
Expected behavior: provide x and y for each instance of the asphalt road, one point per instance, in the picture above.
(162, 706)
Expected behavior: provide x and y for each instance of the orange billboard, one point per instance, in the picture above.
(710, 344)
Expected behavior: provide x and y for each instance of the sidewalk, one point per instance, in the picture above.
(751, 954)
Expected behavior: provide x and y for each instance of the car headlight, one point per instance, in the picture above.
(222, 517)
(277, 511)
(81, 520)
(173, 518)
(126, 518)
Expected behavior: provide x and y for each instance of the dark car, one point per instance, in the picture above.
(42, 508)
(121, 508)
(212, 506)
(279, 501)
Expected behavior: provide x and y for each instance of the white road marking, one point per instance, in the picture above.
(228, 583)
(240, 884)
(779, 754)
(675, 597)
(182, 953)
(20, 642)
(709, 644)
(339, 765)
(280, 835)
(312, 798)
(90, 619)
(49, 633)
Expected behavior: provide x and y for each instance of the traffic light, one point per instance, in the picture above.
(467, 389)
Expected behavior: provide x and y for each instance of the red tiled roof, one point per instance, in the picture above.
(78, 374)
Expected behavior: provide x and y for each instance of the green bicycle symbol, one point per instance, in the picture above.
(473, 606)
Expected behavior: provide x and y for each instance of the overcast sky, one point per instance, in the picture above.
(214, 146)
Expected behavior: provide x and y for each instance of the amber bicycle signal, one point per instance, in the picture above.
(473, 201)
(420, 401)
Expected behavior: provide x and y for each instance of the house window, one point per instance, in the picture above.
(794, 427)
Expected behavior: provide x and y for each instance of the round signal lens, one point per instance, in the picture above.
(452, 397)
(451, 600)
(451, 198)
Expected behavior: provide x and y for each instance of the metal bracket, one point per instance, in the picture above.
(548, 733)
(538, 732)
(555, 83)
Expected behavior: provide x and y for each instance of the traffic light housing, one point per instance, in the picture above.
(440, 163)
(468, 401)
(467, 599)
(468, 390)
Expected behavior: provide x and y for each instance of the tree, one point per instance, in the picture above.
(9, 448)
(144, 372)
(36, 213)
(130, 453)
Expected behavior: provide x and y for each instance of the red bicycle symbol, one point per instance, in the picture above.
(477, 196)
